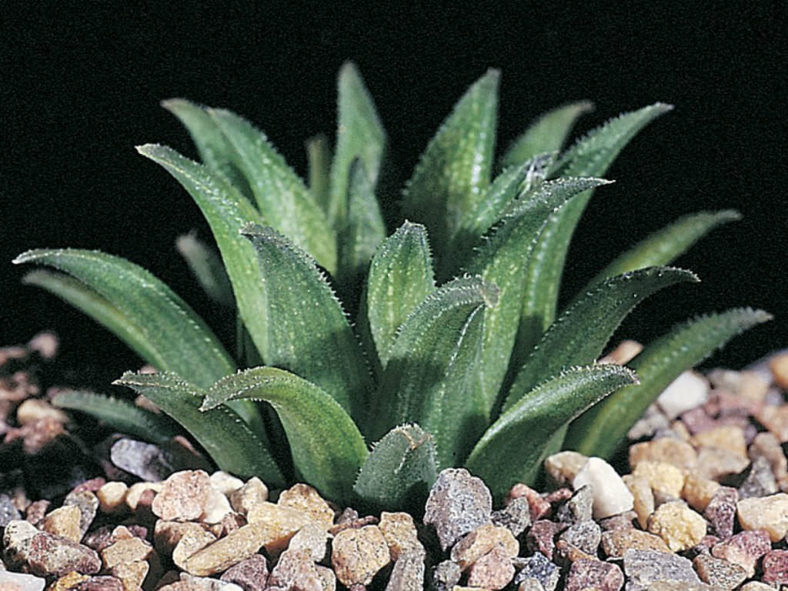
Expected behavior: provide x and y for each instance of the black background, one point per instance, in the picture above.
(81, 83)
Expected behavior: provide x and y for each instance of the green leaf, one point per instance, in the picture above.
(221, 432)
(400, 277)
(206, 266)
(318, 155)
(547, 134)
(399, 472)
(215, 152)
(431, 374)
(602, 429)
(364, 230)
(160, 324)
(590, 156)
(510, 450)
(665, 245)
(581, 332)
(452, 175)
(121, 415)
(359, 135)
(327, 448)
(501, 260)
(282, 198)
(308, 332)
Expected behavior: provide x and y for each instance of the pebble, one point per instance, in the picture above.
(314, 538)
(88, 505)
(111, 496)
(216, 507)
(666, 449)
(594, 574)
(643, 497)
(760, 480)
(756, 586)
(125, 550)
(399, 530)
(250, 574)
(358, 554)
(578, 508)
(68, 581)
(744, 549)
(136, 491)
(408, 572)
(306, 499)
(727, 437)
(20, 582)
(53, 555)
(778, 365)
(644, 567)
(562, 467)
(663, 478)
(295, 570)
(252, 493)
(458, 503)
(8, 512)
(541, 536)
(775, 419)
(277, 524)
(35, 409)
(445, 575)
(585, 536)
(767, 513)
(611, 495)
(516, 516)
(652, 422)
(775, 566)
(538, 568)
(715, 463)
(718, 572)
(679, 526)
(146, 461)
(481, 541)
(168, 534)
(538, 505)
(493, 570)
(699, 491)
(225, 552)
(225, 483)
(765, 445)
(721, 511)
(63, 521)
(684, 393)
(616, 542)
(183, 496)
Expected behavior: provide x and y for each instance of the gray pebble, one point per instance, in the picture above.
(457, 505)
(539, 568)
(644, 567)
(145, 460)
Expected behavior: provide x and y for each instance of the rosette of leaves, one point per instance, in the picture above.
(449, 349)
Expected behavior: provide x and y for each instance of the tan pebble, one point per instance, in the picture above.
(131, 574)
(680, 431)
(278, 524)
(34, 409)
(718, 572)
(167, 534)
(728, 437)
(756, 586)
(684, 393)
(216, 507)
(775, 419)
(642, 495)
(480, 541)
(400, 533)
(765, 445)
(189, 544)
(125, 550)
(624, 352)
(767, 513)
(563, 466)
(715, 463)
(111, 496)
(135, 492)
(666, 449)
(232, 549)
(494, 570)
(311, 537)
(679, 526)
(698, 491)
(779, 368)
(295, 570)
(183, 496)
(752, 386)
(225, 483)
(358, 554)
(305, 498)
(64, 522)
(252, 493)
(617, 541)
(327, 578)
(662, 477)
(64, 583)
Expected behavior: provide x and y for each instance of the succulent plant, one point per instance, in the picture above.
(449, 349)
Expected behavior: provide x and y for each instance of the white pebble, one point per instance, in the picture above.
(611, 495)
(686, 392)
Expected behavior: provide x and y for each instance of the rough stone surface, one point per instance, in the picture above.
(643, 567)
(445, 575)
(585, 536)
(760, 480)
(642, 497)
(137, 490)
(252, 493)
(539, 506)
(516, 516)
(216, 508)
(458, 503)
(88, 505)
(493, 570)
(111, 496)
(64, 522)
(538, 568)
(481, 541)
(8, 512)
(775, 419)
(718, 572)
(20, 582)
(228, 551)
(666, 449)
(408, 572)
(358, 554)
(131, 574)
(611, 495)
(728, 437)
(399, 530)
(684, 393)
(756, 586)
(225, 483)
(578, 508)
(744, 549)
(183, 496)
(678, 525)
(767, 513)
(102, 583)
(145, 460)
(250, 574)
(53, 555)
(721, 511)
(541, 536)
(775, 567)
(698, 491)
(295, 570)
(594, 574)
(616, 542)
(125, 550)
(716, 463)
(277, 524)
(311, 537)
(765, 445)
(307, 500)
(663, 478)
(563, 466)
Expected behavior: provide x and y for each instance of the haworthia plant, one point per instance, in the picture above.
(381, 360)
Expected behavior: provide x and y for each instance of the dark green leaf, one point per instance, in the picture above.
(590, 156)
(221, 432)
(453, 173)
(327, 448)
(399, 472)
(206, 266)
(121, 415)
(581, 332)
(602, 429)
(501, 260)
(318, 155)
(282, 198)
(547, 134)
(359, 135)
(431, 377)
(511, 449)
(308, 332)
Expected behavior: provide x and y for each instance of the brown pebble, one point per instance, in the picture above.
(744, 549)
(53, 555)
(721, 511)
(493, 570)
(183, 496)
(541, 536)
(718, 572)
(775, 566)
(594, 574)
(616, 542)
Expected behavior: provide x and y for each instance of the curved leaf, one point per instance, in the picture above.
(453, 173)
(121, 415)
(400, 277)
(206, 266)
(308, 332)
(547, 134)
(282, 198)
(665, 245)
(327, 448)
(511, 449)
(602, 429)
(580, 334)
(359, 135)
(501, 260)
(431, 374)
(175, 338)
(221, 432)
(590, 156)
